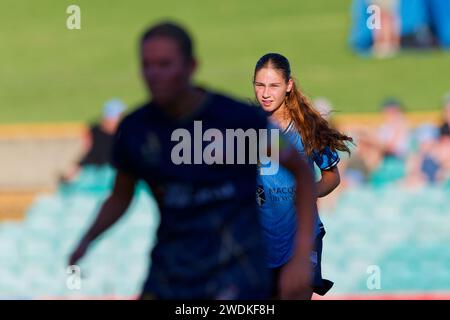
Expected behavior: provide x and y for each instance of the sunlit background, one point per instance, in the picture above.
(388, 224)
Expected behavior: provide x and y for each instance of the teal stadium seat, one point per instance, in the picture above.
(404, 232)
(34, 253)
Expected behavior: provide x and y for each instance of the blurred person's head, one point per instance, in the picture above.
(167, 62)
(392, 109)
(324, 106)
(277, 93)
(445, 127)
(112, 113)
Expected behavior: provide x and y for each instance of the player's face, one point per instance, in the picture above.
(392, 113)
(271, 88)
(166, 71)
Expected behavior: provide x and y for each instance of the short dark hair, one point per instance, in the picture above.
(174, 31)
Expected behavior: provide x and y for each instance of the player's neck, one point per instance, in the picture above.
(281, 117)
(187, 103)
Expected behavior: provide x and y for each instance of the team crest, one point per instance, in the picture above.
(260, 195)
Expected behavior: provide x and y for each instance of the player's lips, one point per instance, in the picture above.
(266, 102)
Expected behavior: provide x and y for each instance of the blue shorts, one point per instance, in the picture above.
(320, 286)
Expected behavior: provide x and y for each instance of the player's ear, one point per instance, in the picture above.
(289, 86)
(192, 66)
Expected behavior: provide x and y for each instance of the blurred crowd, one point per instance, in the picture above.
(397, 153)
(383, 27)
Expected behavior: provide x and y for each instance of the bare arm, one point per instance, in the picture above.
(112, 209)
(329, 181)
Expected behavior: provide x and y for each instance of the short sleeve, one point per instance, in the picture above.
(327, 159)
(283, 141)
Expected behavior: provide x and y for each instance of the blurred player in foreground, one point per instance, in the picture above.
(209, 241)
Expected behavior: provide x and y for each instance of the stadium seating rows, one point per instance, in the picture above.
(404, 233)
(34, 253)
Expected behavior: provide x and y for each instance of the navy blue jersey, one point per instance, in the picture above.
(209, 242)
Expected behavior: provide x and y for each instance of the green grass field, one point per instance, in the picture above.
(52, 74)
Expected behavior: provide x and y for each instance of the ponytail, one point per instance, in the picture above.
(316, 132)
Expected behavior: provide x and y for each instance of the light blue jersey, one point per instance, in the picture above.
(275, 197)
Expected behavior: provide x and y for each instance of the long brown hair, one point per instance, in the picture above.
(316, 132)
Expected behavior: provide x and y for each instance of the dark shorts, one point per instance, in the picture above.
(320, 286)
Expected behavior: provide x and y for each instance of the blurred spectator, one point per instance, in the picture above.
(393, 135)
(439, 13)
(98, 140)
(392, 138)
(418, 24)
(416, 31)
(361, 37)
(445, 127)
(444, 141)
(387, 149)
(387, 38)
(324, 106)
(443, 148)
(357, 168)
(443, 155)
(423, 165)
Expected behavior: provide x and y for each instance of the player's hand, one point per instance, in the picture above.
(78, 253)
(295, 280)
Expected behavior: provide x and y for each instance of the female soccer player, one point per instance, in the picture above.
(313, 138)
